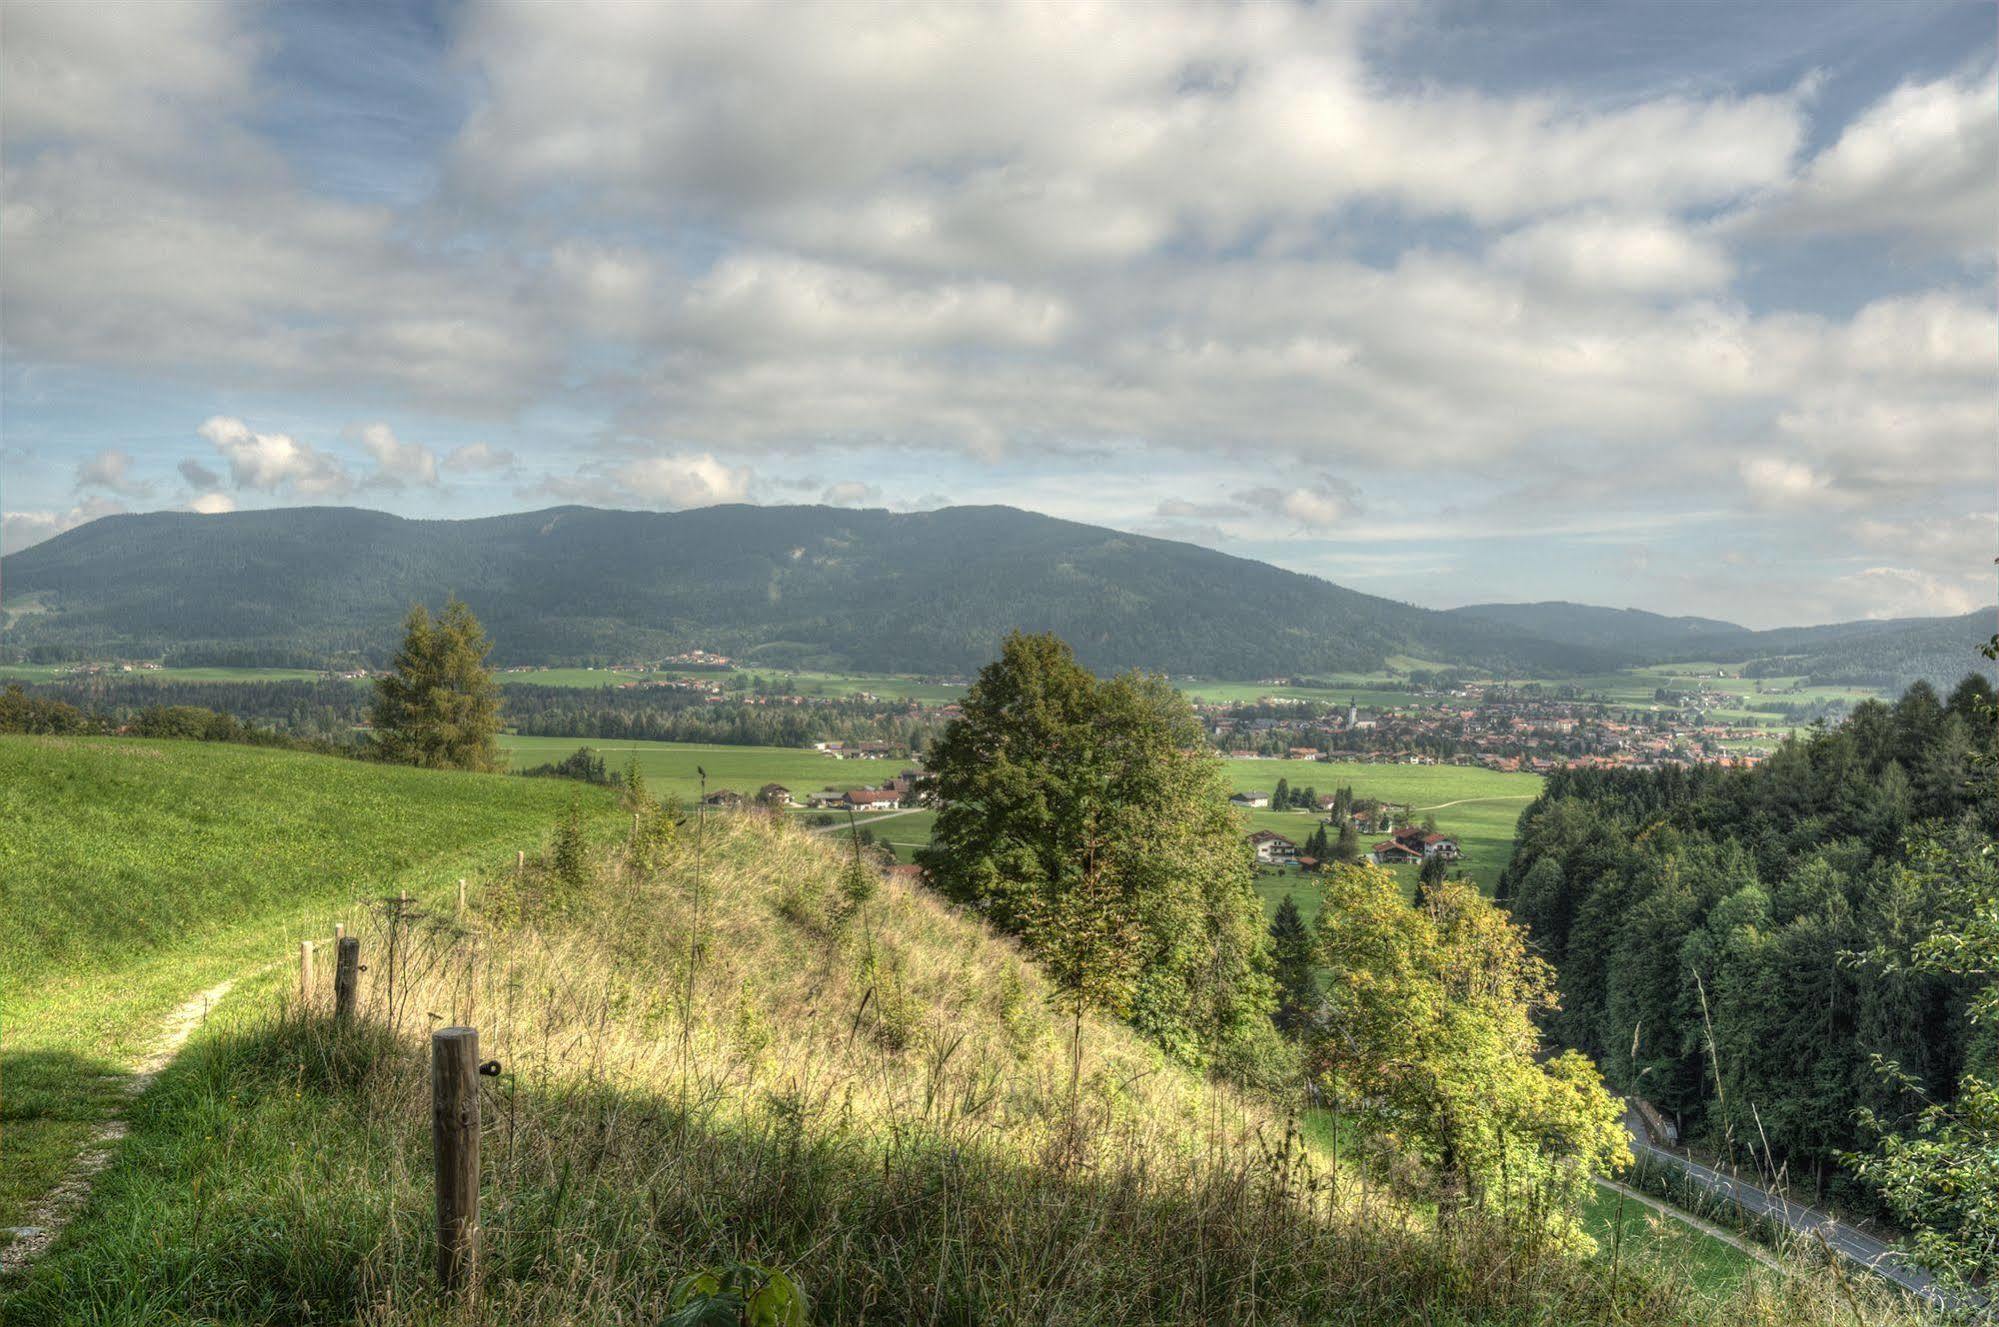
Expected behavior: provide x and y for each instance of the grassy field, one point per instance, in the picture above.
(878, 1101)
(670, 767)
(134, 874)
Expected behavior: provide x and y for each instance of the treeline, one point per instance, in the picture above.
(669, 715)
(332, 709)
(1742, 947)
(328, 708)
(21, 712)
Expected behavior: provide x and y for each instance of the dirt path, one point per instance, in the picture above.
(60, 1205)
(1504, 797)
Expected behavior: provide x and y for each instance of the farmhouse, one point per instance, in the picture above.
(1390, 853)
(775, 794)
(874, 799)
(1250, 800)
(725, 797)
(1273, 848)
(1427, 843)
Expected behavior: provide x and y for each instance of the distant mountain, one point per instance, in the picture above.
(928, 592)
(1888, 653)
(1621, 630)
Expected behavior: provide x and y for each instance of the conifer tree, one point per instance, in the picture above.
(439, 706)
(1293, 964)
(1281, 799)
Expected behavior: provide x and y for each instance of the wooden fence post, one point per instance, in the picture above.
(346, 978)
(461, 896)
(305, 972)
(454, 1135)
(520, 859)
(339, 931)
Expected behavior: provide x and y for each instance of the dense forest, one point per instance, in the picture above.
(1741, 947)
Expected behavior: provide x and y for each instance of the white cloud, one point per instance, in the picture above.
(1888, 592)
(212, 504)
(22, 529)
(1923, 161)
(273, 461)
(1602, 252)
(670, 483)
(851, 493)
(917, 137)
(478, 458)
(1773, 481)
(397, 463)
(111, 470)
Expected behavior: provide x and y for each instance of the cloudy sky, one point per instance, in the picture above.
(1687, 307)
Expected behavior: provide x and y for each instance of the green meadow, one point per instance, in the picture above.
(134, 874)
(671, 767)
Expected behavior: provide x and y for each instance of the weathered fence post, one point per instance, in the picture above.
(454, 1135)
(520, 859)
(305, 972)
(461, 896)
(339, 931)
(346, 978)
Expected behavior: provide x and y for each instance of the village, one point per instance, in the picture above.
(1496, 728)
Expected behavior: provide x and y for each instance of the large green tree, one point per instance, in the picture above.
(439, 706)
(1065, 797)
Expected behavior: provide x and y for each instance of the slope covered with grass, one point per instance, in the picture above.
(134, 874)
(741, 1049)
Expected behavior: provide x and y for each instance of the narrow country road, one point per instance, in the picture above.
(866, 818)
(1851, 1243)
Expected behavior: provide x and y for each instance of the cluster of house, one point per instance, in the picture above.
(862, 750)
(1411, 843)
(891, 795)
(1495, 727)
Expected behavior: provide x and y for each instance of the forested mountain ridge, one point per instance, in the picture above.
(1889, 653)
(779, 586)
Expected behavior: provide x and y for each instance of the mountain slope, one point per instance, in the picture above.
(874, 590)
(1620, 629)
(1890, 653)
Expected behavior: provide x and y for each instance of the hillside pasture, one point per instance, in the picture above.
(134, 874)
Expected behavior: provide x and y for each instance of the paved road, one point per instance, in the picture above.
(1844, 1239)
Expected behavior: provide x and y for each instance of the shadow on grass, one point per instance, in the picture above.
(280, 1174)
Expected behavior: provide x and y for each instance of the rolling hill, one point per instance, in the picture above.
(1888, 653)
(782, 586)
(875, 591)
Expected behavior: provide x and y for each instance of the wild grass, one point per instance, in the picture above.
(737, 1056)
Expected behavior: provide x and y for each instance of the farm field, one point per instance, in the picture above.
(1478, 807)
(670, 767)
(134, 874)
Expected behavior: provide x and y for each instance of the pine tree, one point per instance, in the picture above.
(439, 706)
(1294, 967)
(1281, 799)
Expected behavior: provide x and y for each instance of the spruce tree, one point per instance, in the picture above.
(439, 706)
(1281, 799)
(1293, 964)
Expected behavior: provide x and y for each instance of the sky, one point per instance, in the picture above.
(1683, 307)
